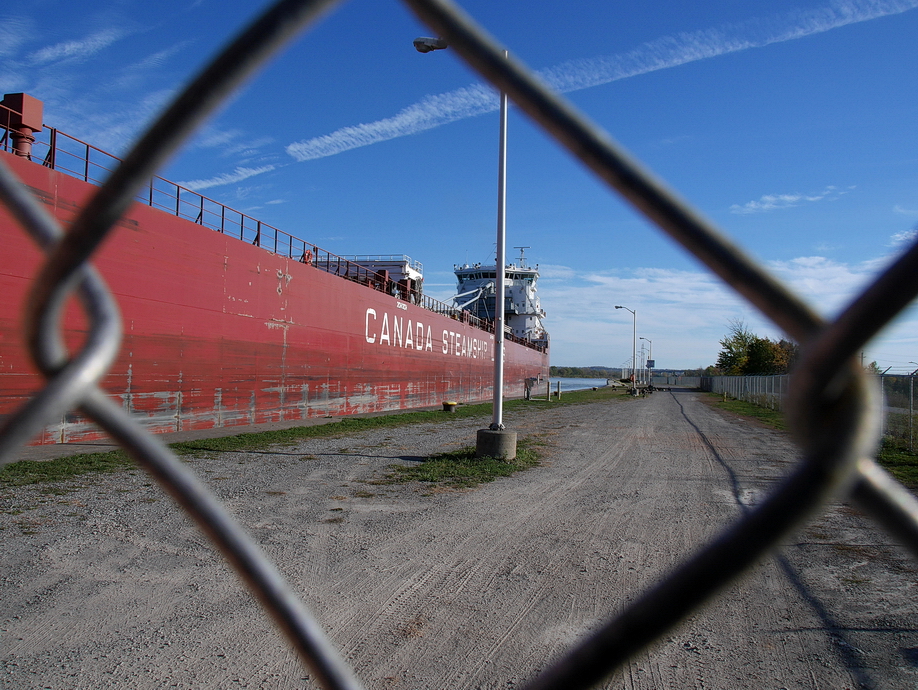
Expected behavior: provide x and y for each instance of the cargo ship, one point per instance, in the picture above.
(229, 321)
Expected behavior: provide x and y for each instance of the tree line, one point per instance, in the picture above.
(582, 372)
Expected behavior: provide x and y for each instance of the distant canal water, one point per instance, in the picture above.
(575, 384)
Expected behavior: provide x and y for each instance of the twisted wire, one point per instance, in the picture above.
(832, 403)
(72, 382)
(67, 379)
(836, 407)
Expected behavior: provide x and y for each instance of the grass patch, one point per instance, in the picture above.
(900, 463)
(346, 425)
(461, 469)
(38, 471)
(35, 472)
(768, 417)
(349, 425)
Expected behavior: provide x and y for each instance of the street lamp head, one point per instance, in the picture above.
(425, 44)
(618, 306)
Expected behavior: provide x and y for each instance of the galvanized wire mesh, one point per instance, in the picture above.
(833, 406)
(764, 391)
(897, 393)
(899, 405)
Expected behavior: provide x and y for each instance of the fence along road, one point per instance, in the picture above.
(897, 392)
(458, 589)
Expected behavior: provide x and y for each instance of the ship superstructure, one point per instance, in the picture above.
(403, 275)
(477, 291)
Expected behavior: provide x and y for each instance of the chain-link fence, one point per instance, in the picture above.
(899, 410)
(898, 399)
(764, 391)
(834, 409)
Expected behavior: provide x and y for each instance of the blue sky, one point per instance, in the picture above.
(791, 125)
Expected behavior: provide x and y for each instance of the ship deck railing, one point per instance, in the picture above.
(64, 153)
(387, 258)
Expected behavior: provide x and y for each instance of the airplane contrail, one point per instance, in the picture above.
(660, 54)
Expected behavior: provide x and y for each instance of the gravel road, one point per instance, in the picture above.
(106, 585)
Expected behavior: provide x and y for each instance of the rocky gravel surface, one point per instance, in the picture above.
(105, 584)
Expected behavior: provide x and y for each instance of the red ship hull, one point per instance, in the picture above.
(221, 333)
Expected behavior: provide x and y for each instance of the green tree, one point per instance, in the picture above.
(744, 353)
(789, 353)
(873, 368)
(734, 355)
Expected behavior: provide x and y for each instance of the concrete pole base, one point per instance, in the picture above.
(496, 444)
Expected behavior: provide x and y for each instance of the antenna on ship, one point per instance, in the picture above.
(522, 257)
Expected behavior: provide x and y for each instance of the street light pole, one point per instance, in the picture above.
(500, 305)
(649, 359)
(640, 366)
(633, 346)
(494, 441)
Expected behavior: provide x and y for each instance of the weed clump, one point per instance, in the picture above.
(462, 469)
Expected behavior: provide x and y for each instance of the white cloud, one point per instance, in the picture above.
(231, 142)
(212, 137)
(827, 285)
(14, 32)
(771, 202)
(111, 129)
(431, 112)
(81, 48)
(767, 202)
(551, 271)
(159, 58)
(904, 237)
(237, 175)
(134, 74)
(684, 313)
(663, 53)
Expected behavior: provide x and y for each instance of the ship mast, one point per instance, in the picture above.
(522, 256)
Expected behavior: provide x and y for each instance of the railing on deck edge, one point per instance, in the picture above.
(69, 155)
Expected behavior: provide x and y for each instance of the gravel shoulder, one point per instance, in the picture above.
(106, 585)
